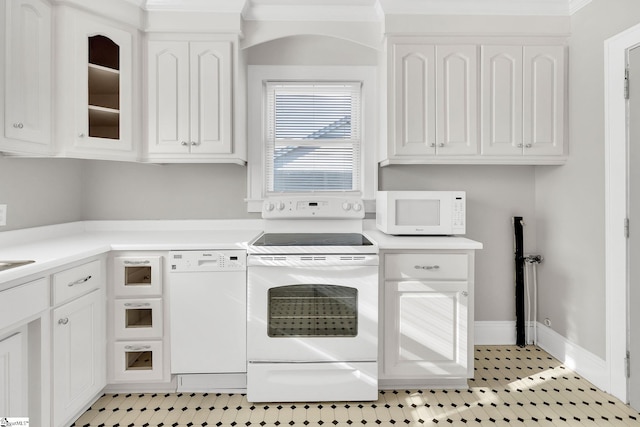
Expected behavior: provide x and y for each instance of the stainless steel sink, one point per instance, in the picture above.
(5, 265)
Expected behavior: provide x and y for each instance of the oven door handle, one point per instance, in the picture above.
(316, 260)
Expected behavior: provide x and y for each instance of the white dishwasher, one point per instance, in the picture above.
(208, 306)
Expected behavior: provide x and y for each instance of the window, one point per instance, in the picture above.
(297, 151)
(312, 136)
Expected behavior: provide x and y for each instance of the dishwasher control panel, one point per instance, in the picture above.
(207, 260)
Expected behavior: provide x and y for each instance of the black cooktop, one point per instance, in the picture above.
(312, 239)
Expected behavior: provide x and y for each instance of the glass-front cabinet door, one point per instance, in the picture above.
(96, 78)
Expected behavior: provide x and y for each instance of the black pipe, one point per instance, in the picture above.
(519, 266)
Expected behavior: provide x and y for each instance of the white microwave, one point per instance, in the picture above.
(421, 212)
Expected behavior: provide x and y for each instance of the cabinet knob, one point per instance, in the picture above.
(520, 145)
(528, 145)
(195, 143)
(465, 293)
(63, 321)
(441, 144)
(18, 125)
(433, 144)
(81, 135)
(184, 143)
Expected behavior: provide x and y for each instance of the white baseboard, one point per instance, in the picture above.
(495, 333)
(589, 366)
(586, 364)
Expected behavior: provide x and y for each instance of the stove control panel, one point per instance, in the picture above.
(283, 207)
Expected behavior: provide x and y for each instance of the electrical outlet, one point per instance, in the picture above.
(3, 215)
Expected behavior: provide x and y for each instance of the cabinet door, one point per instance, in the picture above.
(13, 400)
(501, 97)
(413, 127)
(168, 97)
(210, 76)
(426, 330)
(79, 365)
(544, 94)
(456, 94)
(28, 75)
(104, 100)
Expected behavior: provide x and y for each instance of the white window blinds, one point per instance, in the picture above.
(312, 136)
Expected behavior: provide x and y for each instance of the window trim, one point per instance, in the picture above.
(258, 74)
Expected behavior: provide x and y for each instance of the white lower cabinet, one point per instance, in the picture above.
(78, 354)
(137, 344)
(78, 325)
(428, 315)
(13, 375)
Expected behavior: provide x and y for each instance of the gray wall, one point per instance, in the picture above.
(40, 191)
(570, 199)
(495, 194)
(117, 190)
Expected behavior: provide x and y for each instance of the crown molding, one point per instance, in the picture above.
(217, 6)
(363, 10)
(482, 7)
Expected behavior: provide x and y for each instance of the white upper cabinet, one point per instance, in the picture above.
(95, 87)
(543, 97)
(445, 105)
(523, 96)
(27, 78)
(190, 101)
(433, 101)
(501, 112)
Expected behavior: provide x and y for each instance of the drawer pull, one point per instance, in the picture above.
(137, 347)
(146, 261)
(137, 304)
(80, 281)
(427, 267)
(63, 321)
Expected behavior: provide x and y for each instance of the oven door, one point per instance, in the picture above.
(318, 308)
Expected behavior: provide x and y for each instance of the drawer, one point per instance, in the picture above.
(138, 318)
(23, 301)
(137, 276)
(138, 361)
(426, 266)
(76, 281)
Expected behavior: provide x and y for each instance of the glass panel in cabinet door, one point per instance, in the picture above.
(103, 88)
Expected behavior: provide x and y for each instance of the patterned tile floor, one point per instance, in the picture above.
(512, 387)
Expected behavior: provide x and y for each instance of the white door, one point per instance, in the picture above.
(501, 95)
(456, 100)
(543, 99)
(633, 248)
(28, 76)
(13, 401)
(78, 354)
(168, 92)
(426, 329)
(210, 71)
(414, 118)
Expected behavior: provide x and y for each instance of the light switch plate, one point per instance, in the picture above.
(3, 215)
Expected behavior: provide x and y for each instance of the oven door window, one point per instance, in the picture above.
(313, 311)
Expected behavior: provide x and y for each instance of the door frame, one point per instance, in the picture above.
(616, 265)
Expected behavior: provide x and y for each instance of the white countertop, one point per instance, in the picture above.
(60, 245)
(386, 241)
(54, 246)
